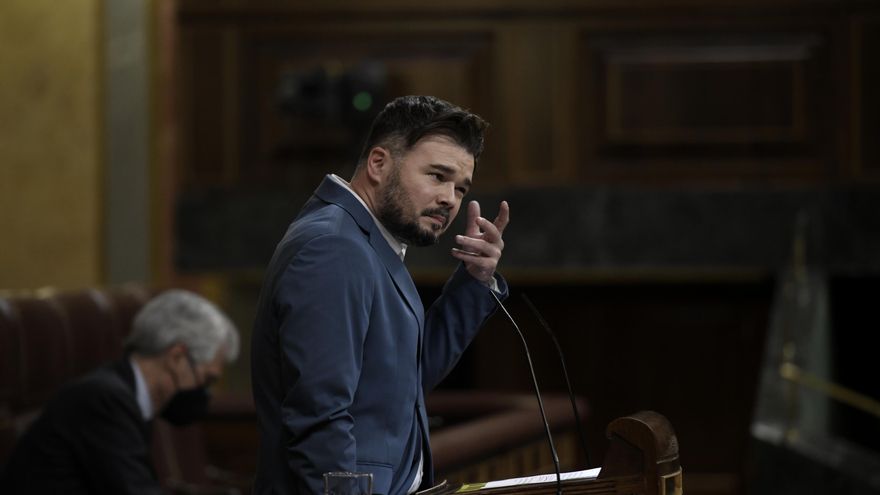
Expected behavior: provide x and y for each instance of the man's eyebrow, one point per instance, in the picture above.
(446, 169)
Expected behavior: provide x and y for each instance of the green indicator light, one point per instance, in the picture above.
(362, 101)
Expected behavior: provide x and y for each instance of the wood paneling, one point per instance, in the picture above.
(234, 78)
(594, 91)
(209, 112)
(723, 95)
(534, 63)
(869, 107)
(690, 350)
(700, 105)
(680, 95)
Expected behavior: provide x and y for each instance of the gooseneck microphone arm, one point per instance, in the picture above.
(537, 393)
(577, 416)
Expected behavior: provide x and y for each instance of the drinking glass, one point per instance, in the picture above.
(345, 483)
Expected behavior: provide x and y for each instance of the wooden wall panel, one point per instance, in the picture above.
(727, 93)
(208, 79)
(231, 78)
(535, 60)
(869, 61)
(704, 105)
(704, 95)
(690, 350)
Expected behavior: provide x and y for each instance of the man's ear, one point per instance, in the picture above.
(378, 165)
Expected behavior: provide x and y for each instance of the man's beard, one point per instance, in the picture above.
(392, 202)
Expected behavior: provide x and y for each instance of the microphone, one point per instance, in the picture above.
(537, 393)
(574, 408)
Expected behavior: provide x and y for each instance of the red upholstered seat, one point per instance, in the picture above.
(126, 301)
(10, 375)
(46, 358)
(94, 320)
(10, 357)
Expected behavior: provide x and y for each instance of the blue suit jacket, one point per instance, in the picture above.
(343, 351)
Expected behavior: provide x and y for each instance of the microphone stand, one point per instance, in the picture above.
(537, 393)
(577, 416)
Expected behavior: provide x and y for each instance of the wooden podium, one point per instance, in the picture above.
(642, 459)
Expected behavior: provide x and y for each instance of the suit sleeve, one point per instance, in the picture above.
(452, 322)
(323, 302)
(114, 452)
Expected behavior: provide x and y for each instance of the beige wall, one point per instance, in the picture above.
(50, 142)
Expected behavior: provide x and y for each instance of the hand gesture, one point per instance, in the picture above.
(481, 245)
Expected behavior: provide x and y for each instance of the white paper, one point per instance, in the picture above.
(545, 478)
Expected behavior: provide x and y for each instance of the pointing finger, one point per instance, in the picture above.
(472, 229)
(503, 217)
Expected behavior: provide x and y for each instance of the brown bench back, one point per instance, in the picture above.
(47, 339)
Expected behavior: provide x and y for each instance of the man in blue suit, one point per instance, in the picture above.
(343, 351)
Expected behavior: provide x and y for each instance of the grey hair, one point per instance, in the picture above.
(179, 316)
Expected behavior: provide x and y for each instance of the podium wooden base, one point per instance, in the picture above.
(642, 459)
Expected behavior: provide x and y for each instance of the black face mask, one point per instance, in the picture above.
(187, 406)
(190, 405)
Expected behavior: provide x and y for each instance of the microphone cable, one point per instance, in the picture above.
(577, 416)
(537, 393)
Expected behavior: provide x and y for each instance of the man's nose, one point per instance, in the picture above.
(447, 194)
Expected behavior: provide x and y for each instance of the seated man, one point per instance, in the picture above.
(94, 435)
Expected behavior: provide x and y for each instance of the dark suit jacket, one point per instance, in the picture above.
(90, 439)
(343, 351)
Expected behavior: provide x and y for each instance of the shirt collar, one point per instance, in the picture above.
(141, 393)
(398, 247)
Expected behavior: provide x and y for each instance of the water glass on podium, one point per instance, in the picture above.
(345, 483)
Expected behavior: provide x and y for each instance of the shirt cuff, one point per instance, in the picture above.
(493, 285)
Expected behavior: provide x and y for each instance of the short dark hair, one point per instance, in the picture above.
(407, 119)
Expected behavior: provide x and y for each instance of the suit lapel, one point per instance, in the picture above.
(400, 275)
(332, 192)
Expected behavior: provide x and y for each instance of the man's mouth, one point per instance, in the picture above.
(440, 217)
